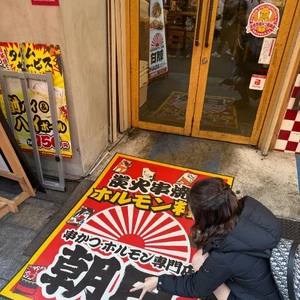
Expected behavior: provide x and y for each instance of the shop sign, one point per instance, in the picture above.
(36, 58)
(158, 63)
(45, 2)
(266, 51)
(263, 20)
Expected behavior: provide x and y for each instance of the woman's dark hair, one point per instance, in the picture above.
(215, 209)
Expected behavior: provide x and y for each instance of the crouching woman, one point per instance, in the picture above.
(234, 238)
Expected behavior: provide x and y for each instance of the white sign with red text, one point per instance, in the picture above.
(266, 51)
(257, 82)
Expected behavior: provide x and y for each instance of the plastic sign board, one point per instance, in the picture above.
(131, 224)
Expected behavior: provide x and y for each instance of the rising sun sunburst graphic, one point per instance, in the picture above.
(157, 233)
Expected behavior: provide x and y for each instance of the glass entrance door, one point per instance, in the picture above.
(166, 38)
(204, 67)
(238, 54)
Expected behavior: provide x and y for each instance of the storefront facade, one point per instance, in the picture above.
(191, 91)
(80, 29)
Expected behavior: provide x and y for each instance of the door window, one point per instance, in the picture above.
(165, 55)
(203, 66)
(243, 40)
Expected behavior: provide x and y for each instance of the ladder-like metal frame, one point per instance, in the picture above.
(47, 77)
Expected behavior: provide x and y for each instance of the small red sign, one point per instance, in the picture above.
(257, 82)
(45, 2)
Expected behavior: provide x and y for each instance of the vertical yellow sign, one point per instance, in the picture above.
(37, 58)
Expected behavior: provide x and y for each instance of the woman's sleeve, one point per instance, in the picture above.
(202, 283)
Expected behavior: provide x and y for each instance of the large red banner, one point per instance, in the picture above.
(130, 224)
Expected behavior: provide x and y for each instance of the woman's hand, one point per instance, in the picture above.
(149, 285)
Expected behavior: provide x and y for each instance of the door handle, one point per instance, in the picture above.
(208, 23)
(198, 23)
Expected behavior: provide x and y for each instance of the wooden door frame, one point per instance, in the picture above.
(275, 73)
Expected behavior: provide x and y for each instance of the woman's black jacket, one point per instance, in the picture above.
(240, 259)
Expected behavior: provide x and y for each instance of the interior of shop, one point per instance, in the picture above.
(230, 106)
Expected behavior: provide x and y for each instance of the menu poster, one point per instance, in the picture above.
(36, 59)
(158, 63)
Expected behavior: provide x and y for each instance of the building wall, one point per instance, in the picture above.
(288, 139)
(79, 28)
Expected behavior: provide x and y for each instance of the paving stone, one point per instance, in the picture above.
(11, 266)
(270, 179)
(58, 216)
(32, 215)
(10, 186)
(14, 239)
(3, 283)
(41, 203)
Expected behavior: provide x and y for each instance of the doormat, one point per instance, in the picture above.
(129, 225)
(217, 111)
(172, 109)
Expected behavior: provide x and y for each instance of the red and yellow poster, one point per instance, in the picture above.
(130, 224)
(36, 58)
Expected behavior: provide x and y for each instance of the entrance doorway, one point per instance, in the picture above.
(206, 68)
